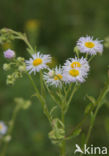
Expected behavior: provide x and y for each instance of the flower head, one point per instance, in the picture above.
(3, 128)
(54, 77)
(9, 54)
(75, 70)
(32, 25)
(89, 45)
(37, 62)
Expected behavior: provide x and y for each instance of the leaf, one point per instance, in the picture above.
(91, 99)
(74, 134)
(88, 108)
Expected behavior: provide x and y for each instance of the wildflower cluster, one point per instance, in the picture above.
(74, 70)
(60, 82)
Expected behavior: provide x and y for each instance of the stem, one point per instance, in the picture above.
(42, 84)
(23, 37)
(41, 99)
(76, 127)
(86, 55)
(10, 129)
(63, 147)
(91, 58)
(99, 104)
(70, 98)
(33, 84)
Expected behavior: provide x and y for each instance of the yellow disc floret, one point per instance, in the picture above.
(58, 77)
(89, 44)
(1, 127)
(74, 72)
(75, 64)
(37, 62)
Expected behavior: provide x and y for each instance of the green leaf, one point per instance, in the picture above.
(91, 99)
(74, 134)
(88, 108)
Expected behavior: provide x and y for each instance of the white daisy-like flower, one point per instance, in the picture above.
(3, 128)
(75, 70)
(89, 45)
(37, 62)
(54, 77)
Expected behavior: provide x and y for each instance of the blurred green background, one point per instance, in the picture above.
(54, 27)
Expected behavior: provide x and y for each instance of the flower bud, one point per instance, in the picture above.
(20, 59)
(51, 73)
(9, 54)
(76, 50)
(22, 68)
(6, 67)
(7, 138)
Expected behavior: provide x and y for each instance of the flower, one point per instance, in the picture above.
(75, 70)
(37, 62)
(3, 128)
(54, 77)
(32, 25)
(9, 54)
(90, 46)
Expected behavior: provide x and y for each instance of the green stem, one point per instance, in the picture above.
(33, 84)
(53, 97)
(42, 84)
(10, 129)
(71, 96)
(23, 37)
(41, 99)
(86, 55)
(99, 104)
(91, 58)
(63, 146)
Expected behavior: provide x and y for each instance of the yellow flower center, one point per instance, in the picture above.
(58, 77)
(37, 62)
(32, 25)
(89, 44)
(1, 127)
(75, 64)
(74, 72)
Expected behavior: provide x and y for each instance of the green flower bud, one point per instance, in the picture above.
(22, 68)
(22, 104)
(10, 80)
(9, 76)
(16, 75)
(7, 138)
(20, 59)
(6, 67)
(76, 50)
